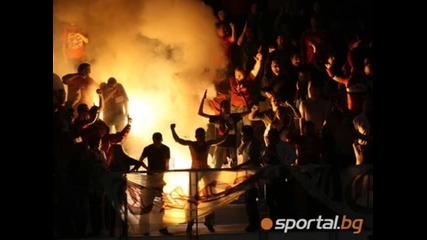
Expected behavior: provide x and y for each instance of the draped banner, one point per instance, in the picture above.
(175, 197)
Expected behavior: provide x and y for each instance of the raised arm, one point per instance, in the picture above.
(302, 119)
(202, 103)
(232, 39)
(242, 35)
(257, 65)
(101, 99)
(95, 111)
(352, 46)
(331, 74)
(177, 138)
(251, 115)
(69, 78)
(94, 116)
(119, 136)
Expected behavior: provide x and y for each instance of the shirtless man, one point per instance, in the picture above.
(199, 150)
(81, 86)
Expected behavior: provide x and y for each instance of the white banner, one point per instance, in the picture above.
(182, 199)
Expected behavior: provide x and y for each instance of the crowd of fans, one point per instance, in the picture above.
(297, 89)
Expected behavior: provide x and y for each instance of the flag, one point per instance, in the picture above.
(159, 200)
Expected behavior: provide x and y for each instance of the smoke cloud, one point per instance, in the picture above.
(164, 52)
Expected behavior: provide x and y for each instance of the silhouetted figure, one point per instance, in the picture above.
(158, 156)
(199, 150)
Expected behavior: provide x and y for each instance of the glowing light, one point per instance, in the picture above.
(177, 180)
(162, 65)
(142, 111)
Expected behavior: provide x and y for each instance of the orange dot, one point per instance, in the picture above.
(266, 223)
